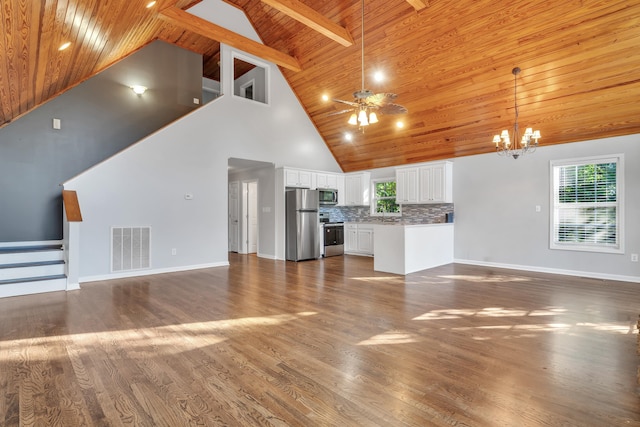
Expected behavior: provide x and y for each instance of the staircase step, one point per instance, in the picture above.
(31, 264)
(29, 254)
(35, 248)
(31, 269)
(32, 285)
(32, 279)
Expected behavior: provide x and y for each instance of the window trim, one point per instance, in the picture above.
(620, 224)
(372, 205)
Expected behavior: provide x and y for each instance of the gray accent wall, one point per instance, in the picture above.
(496, 222)
(99, 118)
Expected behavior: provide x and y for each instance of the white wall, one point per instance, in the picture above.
(496, 222)
(146, 184)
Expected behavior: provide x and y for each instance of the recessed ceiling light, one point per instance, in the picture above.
(399, 124)
(151, 4)
(64, 46)
(138, 89)
(378, 76)
(325, 97)
(348, 136)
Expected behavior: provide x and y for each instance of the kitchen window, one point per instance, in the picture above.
(587, 206)
(383, 201)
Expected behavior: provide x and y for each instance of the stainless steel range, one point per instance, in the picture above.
(333, 233)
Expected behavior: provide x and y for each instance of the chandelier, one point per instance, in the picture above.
(529, 140)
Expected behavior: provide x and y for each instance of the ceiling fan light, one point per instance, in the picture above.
(362, 118)
(353, 120)
(373, 117)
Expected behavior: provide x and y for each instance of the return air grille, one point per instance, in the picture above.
(130, 248)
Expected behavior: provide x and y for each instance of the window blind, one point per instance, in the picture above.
(586, 205)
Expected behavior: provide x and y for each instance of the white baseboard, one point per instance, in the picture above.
(589, 274)
(138, 273)
(73, 286)
(267, 256)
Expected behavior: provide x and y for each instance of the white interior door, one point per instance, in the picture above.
(252, 219)
(234, 217)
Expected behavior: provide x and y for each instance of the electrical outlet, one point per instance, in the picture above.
(634, 257)
(174, 251)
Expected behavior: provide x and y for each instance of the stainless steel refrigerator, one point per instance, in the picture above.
(302, 233)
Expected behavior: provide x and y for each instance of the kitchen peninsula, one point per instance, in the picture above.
(404, 249)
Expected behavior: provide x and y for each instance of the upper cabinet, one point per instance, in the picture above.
(357, 187)
(297, 178)
(407, 185)
(327, 180)
(430, 183)
(436, 184)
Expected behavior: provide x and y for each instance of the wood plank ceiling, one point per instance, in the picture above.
(448, 61)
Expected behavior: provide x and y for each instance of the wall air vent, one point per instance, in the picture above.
(130, 248)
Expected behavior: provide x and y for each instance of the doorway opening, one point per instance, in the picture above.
(250, 206)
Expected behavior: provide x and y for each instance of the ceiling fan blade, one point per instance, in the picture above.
(353, 104)
(381, 99)
(393, 109)
(335, 113)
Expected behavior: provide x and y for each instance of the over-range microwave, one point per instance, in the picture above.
(328, 197)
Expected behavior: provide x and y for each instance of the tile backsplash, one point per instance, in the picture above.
(411, 214)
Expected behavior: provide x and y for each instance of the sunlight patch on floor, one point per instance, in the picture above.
(142, 342)
(391, 337)
(488, 312)
(620, 328)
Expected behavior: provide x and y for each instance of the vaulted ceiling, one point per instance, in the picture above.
(448, 61)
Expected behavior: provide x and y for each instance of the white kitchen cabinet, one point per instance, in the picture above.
(407, 185)
(341, 190)
(351, 238)
(429, 183)
(357, 188)
(359, 239)
(365, 240)
(297, 178)
(436, 184)
(327, 180)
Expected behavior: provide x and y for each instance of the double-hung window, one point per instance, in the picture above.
(383, 201)
(587, 209)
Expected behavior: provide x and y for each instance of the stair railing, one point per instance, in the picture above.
(71, 238)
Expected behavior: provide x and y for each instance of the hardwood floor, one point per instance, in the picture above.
(324, 343)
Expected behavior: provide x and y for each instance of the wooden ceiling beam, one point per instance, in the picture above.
(418, 4)
(215, 32)
(312, 19)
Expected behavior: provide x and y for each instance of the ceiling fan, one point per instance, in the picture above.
(366, 104)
